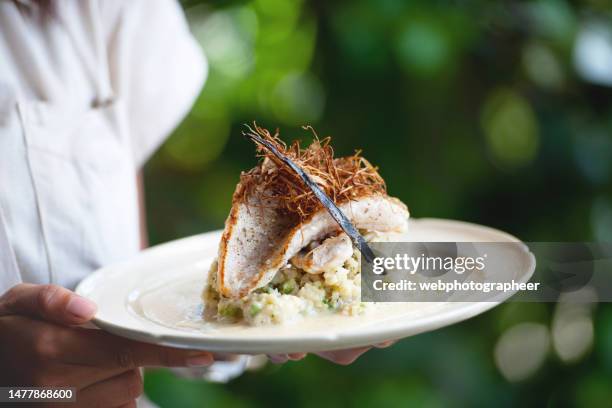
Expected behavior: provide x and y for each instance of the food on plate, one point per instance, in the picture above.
(282, 256)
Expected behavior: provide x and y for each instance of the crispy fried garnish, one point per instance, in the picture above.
(342, 178)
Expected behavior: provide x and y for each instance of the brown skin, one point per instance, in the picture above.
(142, 213)
(40, 346)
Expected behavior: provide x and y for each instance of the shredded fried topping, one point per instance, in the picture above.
(342, 178)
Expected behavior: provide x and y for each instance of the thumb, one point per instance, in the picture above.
(47, 302)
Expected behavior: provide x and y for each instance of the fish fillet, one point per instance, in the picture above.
(257, 242)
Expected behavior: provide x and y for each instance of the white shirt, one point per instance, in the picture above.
(87, 93)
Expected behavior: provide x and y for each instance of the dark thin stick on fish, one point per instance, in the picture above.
(358, 241)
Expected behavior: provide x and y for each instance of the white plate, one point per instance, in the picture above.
(155, 297)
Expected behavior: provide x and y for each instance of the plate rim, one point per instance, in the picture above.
(256, 345)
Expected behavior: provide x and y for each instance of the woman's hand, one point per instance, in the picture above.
(342, 357)
(348, 356)
(39, 346)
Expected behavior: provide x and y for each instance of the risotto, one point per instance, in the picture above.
(293, 294)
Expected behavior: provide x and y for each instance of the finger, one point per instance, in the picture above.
(52, 349)
(296, 356)
(99, 349)
(278, 358)
(343, 357)
(226, 357)
(131, 404)
(113, 392)
(47, 302)
(385, 344)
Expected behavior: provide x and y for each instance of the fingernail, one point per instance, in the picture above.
(81, 307)
(199, 361)
(385, 344)
(296, 356)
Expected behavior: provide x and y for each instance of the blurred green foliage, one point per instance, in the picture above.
(495, 112)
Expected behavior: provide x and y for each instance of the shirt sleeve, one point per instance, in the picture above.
(157, 69)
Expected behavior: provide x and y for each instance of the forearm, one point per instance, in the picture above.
(142, 211)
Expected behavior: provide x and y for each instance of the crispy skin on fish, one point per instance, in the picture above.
(276, 213)
(258, 241)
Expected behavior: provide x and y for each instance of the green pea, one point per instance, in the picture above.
(288, 287)
(254, 309)
(230, 311)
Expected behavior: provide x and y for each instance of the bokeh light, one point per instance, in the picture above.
(511, 128)
(601, 219)
(542, 66)
(593, 52)
(572, 324)
(228, 37)
(297, 99)
(521, 350)
(423, 48)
